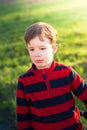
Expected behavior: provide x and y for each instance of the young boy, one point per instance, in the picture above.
(45, 92)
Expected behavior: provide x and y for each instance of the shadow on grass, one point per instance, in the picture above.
(7, 107)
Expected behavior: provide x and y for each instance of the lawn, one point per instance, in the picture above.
(69, 17)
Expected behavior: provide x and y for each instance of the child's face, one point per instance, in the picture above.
(41, 52)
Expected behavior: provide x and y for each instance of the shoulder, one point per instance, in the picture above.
(60, 66)
(28, 73)
(64, 70)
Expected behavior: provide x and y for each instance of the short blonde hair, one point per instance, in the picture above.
(41, 30)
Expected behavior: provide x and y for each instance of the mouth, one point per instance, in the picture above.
(39, 61)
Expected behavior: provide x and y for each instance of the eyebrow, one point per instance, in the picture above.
(39, 46)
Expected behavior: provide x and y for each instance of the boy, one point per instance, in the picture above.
(45, 92)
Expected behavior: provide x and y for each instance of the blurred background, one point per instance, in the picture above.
(68, 17)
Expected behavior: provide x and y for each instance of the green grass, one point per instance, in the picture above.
(69, 19)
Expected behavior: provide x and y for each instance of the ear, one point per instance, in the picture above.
(55, 47)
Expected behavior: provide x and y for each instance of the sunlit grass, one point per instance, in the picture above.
(69, 18)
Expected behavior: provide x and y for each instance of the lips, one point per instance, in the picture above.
(39, 61)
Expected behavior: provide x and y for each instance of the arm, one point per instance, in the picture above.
(78, 86)
(22, 109)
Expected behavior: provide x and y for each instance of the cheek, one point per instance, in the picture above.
(50, 52)
(31, 55)
(48, 55)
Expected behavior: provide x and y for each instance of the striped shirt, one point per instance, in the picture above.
(45, 98)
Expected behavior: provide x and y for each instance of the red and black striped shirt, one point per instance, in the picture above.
(45, 98)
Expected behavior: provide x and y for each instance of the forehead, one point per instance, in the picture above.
(37, 41)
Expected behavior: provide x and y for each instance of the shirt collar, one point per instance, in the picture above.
(47, 70)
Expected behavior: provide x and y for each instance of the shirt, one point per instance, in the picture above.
(45, 98)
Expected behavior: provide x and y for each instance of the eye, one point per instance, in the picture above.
(42, 48)
(31, 49)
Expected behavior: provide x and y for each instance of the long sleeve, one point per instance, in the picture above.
(79, 86)
(22, 109)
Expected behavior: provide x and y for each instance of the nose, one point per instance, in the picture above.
(38, 54)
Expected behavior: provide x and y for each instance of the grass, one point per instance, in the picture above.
(69, 19)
